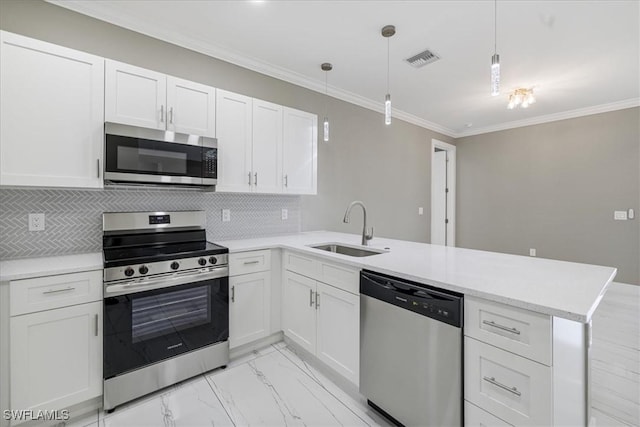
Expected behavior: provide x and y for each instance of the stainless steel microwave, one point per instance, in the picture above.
(146, 156)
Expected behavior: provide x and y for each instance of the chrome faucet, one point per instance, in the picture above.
(366, 234)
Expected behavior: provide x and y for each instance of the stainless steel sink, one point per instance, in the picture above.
(347, 250)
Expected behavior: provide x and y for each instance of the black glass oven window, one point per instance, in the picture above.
(145, 160)
(170, 312)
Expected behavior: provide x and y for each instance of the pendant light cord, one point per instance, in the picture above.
(326, 92)
(495, 26)
(388, 44)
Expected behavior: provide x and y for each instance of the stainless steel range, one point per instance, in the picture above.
(166, 308)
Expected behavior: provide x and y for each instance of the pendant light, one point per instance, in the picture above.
(495, 59)
(326, 67)
(387, 32)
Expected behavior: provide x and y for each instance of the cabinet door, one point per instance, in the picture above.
(299, 310)
(338, 330)
(51, 114)
(233, 127)
(300, 152)
(135, 96)
(267, 147)
(56, 357)
(191, 107)
(249, 308)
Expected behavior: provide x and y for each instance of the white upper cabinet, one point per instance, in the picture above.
(191, 107)
(300, 152)
(267, 147)
(135, 96)
(51, 114)
(233, 124)
(139, 97)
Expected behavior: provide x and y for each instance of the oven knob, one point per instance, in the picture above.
(129, 272)
(213, 260)
(143, 269)
(202, 261)
(175, 265)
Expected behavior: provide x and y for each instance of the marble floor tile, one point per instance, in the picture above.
(87, 420)
(358, 406)
(600, 419)
(191, 403)
(271, 391)
(252, 355)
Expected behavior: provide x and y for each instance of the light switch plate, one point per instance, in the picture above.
(532, 252)
(420, 210)
(620, 215)
(226, 215)
(285, 214)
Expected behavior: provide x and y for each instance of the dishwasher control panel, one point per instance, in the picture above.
(425, 300)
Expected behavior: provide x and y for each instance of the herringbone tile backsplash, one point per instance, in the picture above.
(73, 218)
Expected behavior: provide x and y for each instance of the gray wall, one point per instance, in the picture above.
(554, 187)
(388, 167)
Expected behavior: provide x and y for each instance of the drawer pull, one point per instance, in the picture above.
(504, 328)
(233, 294)
(493, 381)
(55, 291)
(250, 262)
(96, 323)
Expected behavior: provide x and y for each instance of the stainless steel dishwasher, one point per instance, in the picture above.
(411, 351)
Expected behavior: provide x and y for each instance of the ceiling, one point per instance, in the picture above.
(581, 57)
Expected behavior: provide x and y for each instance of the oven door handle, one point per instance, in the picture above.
(124, 288)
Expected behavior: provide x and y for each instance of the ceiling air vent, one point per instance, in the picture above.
(422, 59)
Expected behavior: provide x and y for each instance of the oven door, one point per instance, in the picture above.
(145, 327)
(132, 159)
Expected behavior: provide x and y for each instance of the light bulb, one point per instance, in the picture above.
(495, 75)
(387, 109)
(326, 129)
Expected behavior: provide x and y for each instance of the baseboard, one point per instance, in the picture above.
(255, 345)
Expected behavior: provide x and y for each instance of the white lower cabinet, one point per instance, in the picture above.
(249, 308)
(324, 320)
(56, 357)
(249, 296)
(476, 417)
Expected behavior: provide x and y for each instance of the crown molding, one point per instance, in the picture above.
(97, 11)
(571, 114)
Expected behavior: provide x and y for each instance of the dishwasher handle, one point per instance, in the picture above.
(422, 299)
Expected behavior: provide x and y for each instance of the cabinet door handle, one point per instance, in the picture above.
(55, 291)
(96, 323)
(250, 262)
(317, 300)
(311, 297)
(98, 167)
(233, 293)
(162, 114)
(255, 178)
(171, 115)
(504, 328)
(286, 180)
(249, 178)
(493, 381)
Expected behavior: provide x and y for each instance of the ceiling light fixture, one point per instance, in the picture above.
(521, 97)
(387, 32)
(495, 59)
(326, 67)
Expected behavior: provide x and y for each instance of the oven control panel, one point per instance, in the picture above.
(171, 266)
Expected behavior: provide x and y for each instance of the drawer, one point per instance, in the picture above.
(476, 417)
(340, 276)
(249, 262)
(515, 389)
(301, 264)
(519, 331)
(45, 293)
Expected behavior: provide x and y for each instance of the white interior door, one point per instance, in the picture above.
(439, 198)
(443, 193)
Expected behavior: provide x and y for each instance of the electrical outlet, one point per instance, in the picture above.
(285, 214)
(420, 210)
(226, 215)
(36, 222)
(620, 215)
(532, 252)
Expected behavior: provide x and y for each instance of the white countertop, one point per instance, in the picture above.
(558, 288)
(47, 266)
